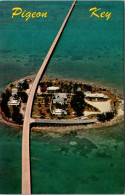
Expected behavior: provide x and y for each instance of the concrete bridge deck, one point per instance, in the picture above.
(63, 122)
(26, 173)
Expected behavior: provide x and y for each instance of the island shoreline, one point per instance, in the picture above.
(116, 120)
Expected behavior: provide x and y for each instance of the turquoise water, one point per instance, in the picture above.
(86, 42)
(89, 49)
(94, 165)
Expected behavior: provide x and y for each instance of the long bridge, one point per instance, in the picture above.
(26, 172)
(68, 122)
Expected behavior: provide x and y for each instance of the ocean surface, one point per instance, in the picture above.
(90, 49)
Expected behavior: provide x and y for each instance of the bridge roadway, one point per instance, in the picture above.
(26, 173)
(62, 122)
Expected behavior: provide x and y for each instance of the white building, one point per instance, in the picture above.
(53, 88)
(59, 112)
(17, 85)
(95, 95)
(14, 91)
(58, 100)
(60, 95)
(28, 80)
(79, 89)
(13, 103)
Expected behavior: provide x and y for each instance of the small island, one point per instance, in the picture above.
(60, 100)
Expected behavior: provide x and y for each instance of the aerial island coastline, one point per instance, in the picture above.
(62, 100)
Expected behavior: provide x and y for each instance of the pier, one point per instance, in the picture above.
(26, 172)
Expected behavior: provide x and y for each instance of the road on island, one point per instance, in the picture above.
(26, 172)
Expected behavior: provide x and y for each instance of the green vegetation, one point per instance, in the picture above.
(43, 115)
(5, 98)
(75, 87)
(17, 116)
(87, 87)
(68, 112)
(109, 115)
(92, 108)
(39, 105)
(25, 85)
(48, 111)
(23, 96)
(78, 103)
(64, 106)
(46, 100)
(46, 84)
(12, 85)
(105, 116)
(73, 102)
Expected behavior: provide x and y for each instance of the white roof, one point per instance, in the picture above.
(17, 85)
(53, 88)
(59, 111)
(60, 95)
(79, 89)
(14, 89)
(11, 98)
(95, 95)
(58, 100)
(13, 102)
(88, 92)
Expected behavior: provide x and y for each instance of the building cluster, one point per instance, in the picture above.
(58, 98)
(61, 98)
(13, 101)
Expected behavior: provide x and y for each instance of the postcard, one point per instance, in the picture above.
(61, 97)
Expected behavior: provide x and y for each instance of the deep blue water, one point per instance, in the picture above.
(89, 49)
